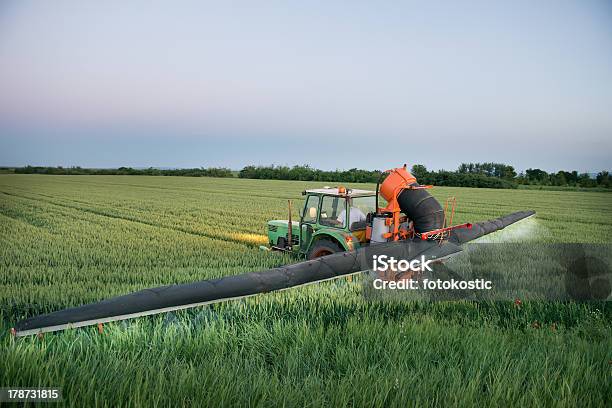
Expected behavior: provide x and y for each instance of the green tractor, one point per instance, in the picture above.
(332, 220)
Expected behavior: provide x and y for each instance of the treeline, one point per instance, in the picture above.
(461, 178)
(537, 177)
(564, 179)
(306, 173)
(486, 175)
(507, 177)
(127, 171)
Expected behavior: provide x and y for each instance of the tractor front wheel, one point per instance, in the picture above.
(323, 247)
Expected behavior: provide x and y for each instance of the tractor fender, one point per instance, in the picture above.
(340, 237)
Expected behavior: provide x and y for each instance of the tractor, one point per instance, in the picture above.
(332, 220)
(342, 219)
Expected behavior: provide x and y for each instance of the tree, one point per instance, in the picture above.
(603, 178)
(506, 172)
(419, 171)
(584, 180)
(536, 176)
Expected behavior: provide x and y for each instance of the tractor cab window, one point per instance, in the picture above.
(333, 211)
(365, 204)
(311, 209)
(359, 208)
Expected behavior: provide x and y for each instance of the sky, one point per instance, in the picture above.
(332, 84)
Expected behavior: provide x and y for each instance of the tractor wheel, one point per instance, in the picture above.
(323, 247)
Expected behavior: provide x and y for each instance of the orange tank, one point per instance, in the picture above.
(397, 179)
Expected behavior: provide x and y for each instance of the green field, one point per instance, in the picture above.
(68, 240)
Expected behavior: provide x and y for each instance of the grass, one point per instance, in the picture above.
(598, 189)
(70, 240)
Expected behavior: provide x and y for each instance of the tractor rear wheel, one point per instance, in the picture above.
(323, 247)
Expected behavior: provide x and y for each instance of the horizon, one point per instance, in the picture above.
(518, 171)
(339, 86)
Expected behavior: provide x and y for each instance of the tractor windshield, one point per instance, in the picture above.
(333, 211)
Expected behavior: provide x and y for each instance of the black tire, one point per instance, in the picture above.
(323, 247)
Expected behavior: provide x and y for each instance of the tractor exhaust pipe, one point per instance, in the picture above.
(289, 230)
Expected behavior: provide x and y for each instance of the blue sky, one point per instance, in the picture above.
(331, 84)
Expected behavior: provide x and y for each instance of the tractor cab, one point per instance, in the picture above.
(331, 220)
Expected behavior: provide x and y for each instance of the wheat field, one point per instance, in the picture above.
(69, 240)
